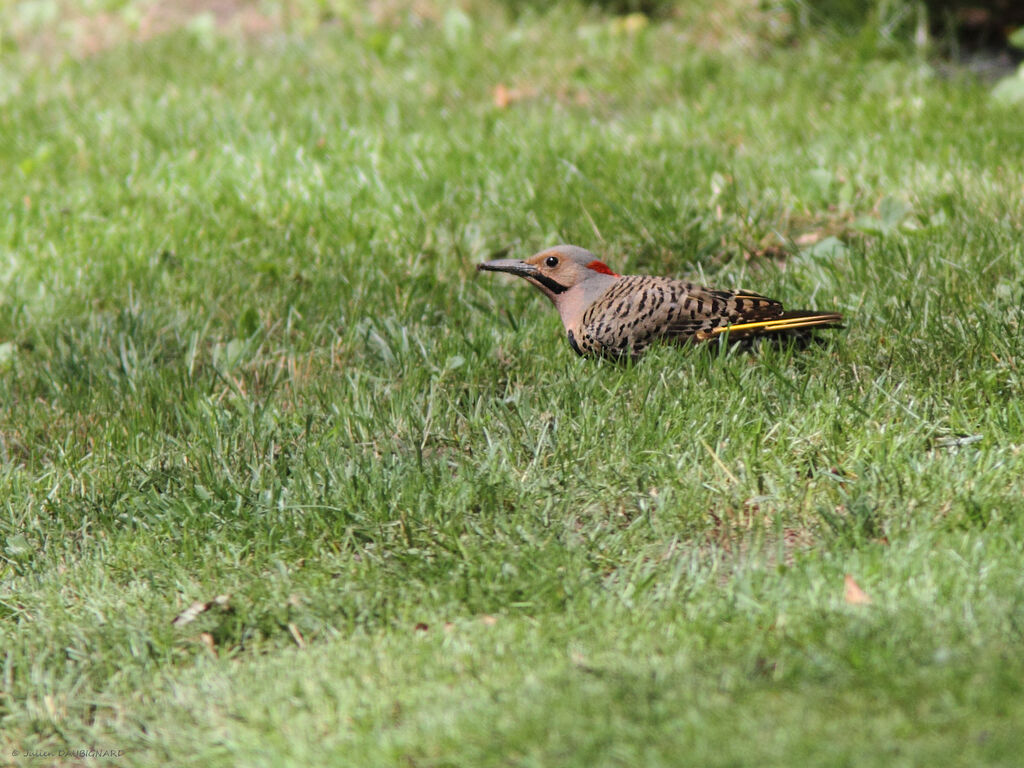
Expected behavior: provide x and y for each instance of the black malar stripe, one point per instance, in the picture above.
(550, 284)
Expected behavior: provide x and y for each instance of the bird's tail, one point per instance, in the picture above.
(787, 322)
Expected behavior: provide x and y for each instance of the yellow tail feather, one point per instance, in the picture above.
(787, 322)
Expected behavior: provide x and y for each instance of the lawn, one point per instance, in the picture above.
(248, 369)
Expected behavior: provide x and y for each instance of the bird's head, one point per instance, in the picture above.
(557, 270)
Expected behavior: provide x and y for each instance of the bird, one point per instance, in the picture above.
(609, 315)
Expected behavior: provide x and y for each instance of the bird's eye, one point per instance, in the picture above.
(551, 261)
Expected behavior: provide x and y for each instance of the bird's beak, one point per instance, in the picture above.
(512, 266)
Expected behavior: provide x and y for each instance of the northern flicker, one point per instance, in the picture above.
(620, 315)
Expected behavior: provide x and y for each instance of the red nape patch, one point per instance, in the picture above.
(600, 266)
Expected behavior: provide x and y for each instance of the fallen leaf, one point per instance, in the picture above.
(854, 594)
(189, 614)
(296, 635)
(198, 608)
(207, 640)
(490, 621)
(502, 97)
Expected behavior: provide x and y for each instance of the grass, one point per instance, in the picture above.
(245, 353)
